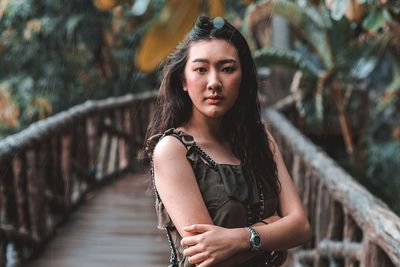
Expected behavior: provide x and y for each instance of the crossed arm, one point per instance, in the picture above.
(210, 245)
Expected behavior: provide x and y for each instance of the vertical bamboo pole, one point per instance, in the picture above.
(135, 131)
(91, 130)
(20, 188)
(43, 165)
(3, 208)
(66, 169)
(374, 256)
(122, 141)
(36, 165)
(80, 157)
(127, 128)
(351, 232)
(321, 222)
(55, 181)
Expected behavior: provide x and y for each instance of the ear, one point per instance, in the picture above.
(184, 84)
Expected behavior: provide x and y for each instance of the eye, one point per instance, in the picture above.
(228, 69)
(201, 70)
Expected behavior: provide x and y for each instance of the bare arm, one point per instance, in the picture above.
(177, 186)
(180, 194)
(291, 230)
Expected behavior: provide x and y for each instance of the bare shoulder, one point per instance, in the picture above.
(169, 148)
(272, 142)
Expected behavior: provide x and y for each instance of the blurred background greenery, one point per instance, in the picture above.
(335, 63)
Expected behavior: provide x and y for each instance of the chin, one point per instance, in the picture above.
(217, 114)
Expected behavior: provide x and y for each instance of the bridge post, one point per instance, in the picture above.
(374, 256)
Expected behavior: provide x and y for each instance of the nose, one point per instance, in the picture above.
(214, 83)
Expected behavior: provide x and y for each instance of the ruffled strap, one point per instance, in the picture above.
(238, 184)
(186, 140)
(164, 221)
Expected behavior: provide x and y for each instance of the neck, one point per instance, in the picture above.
(203, 128)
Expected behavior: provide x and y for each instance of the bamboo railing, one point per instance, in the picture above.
(46, 170)
(350, 226)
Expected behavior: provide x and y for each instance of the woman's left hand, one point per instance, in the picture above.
(210, 244)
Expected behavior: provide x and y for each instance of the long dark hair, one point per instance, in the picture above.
(242, 125)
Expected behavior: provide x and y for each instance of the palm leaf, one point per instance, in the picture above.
(293, 59)
(311, 26)
(390, 95)
(168, 29)
(216, 8)
(293, 12)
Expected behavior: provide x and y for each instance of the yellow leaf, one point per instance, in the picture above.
(42, 105)
(216, 8)
(174, 22)
(105, 5)
(3, 6)
(32, 26)
(355, 11)
(9, 111)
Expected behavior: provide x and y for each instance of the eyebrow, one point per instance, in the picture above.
(221, 62)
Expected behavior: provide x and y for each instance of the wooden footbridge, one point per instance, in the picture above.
(73, 193)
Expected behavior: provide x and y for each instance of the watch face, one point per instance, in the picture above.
(256, 241)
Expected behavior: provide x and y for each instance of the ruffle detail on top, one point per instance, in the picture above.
(237, 184)
(164, 220)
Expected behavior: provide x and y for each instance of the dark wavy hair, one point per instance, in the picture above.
(242, 124)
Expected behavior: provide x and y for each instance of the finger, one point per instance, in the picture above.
(188, 241)
(206, 263)
(193, 250)
(199, 258)
(198, 228)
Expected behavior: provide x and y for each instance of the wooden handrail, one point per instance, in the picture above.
(341, 211)
(46, 169)
(53, 124)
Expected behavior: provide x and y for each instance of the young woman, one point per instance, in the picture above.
(223, 193)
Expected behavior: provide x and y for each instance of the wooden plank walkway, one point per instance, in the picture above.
(115, 227)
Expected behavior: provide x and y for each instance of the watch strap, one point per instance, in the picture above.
(254, 239)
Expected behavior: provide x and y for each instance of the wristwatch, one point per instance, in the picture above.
(254, 239)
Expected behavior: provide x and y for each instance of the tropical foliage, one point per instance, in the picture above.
(344, 50)
(55, 54)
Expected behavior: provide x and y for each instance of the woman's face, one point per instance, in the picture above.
(212, 77)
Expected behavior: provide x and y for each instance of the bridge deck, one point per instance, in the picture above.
(115, 227)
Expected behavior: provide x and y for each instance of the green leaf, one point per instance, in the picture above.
(72, 23)
(391, 95)
(320, 16)
(19, 8)
(376, 18)
(319, 106)
(394, 85)
(272, 57)
(294, 13)
(363, 67)
(339, 8)
(313, 30)
(396, 9)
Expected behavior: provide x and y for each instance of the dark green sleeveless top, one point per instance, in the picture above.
(230, 195)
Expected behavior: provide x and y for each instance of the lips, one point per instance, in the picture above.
(214, 99)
